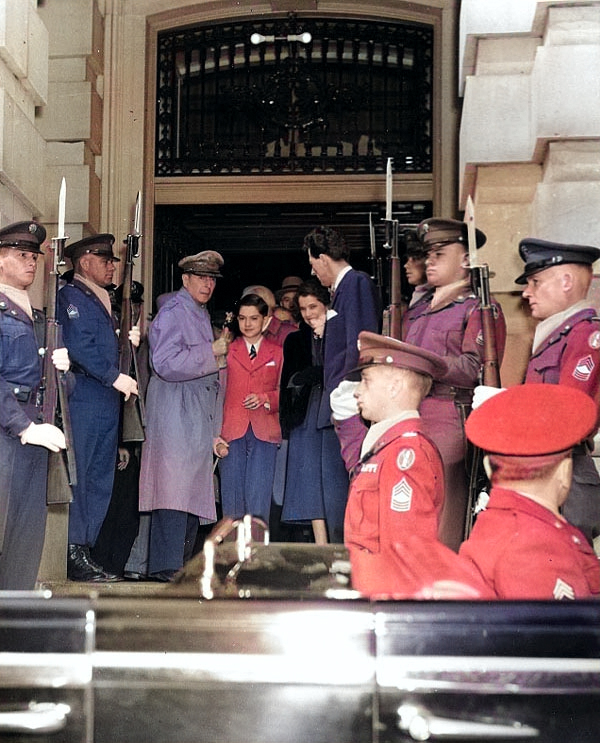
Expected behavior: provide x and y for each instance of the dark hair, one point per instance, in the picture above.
(313, 288)
(253, 300)
(328, 241)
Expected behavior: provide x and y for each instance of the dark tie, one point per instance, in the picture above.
(252, 353)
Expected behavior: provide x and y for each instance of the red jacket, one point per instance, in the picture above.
(244, 377)
(524, 551)
(398, 490)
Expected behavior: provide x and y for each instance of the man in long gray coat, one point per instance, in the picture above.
(183, 416)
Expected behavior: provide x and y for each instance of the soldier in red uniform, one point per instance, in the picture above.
(521, 544)
(447, 321)
(566, 350)
(398, 484)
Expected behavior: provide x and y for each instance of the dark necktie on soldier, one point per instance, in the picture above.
(252, 352)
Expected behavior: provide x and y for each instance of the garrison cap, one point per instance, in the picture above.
(541, 254)
(101, 244)
(532, 420)
(26, 236)
(381, 350)
(436, 230)
(206, 263)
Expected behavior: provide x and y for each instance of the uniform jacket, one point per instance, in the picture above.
(90, 335)
(245, 376)
(398, 489)
(20, 367)
(183, 410)
(570, 355)
(354, 307)
(524, 551)
(453, 331)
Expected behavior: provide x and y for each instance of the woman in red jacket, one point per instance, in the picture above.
(250, 431)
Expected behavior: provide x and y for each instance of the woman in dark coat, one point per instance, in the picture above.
(316, 476)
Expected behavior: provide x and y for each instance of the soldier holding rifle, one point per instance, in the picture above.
(24, 438)
(85, 313)
(566, 351)
(449, 322)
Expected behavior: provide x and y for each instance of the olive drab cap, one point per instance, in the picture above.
(381, 350)
(94, 245)
(436, 230)
(26, 236)
(206, 263)
(531, 420)
(541, 254)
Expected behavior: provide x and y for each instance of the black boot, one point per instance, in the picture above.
(81, 567)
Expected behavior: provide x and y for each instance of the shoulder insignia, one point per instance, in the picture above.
(594, 340)
(72, 312)
(405, 459)
(401, 496)
(583, 369)
(562, 590)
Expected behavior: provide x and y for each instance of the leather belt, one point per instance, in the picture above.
(461, 395)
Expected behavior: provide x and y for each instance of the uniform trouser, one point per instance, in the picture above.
(582, 507)
(247, 474)
(172, 539)
(23, 473)
(95, 434)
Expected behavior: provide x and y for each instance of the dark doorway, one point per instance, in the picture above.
(262, 243)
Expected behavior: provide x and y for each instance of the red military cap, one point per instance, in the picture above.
(532, 420)
(381, 350)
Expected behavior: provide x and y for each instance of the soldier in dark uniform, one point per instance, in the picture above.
(84, 311)
(24, 438)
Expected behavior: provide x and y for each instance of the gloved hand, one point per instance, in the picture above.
(483, 393)
(126, 384)
(61, 360)
(135, 336)
(43, 434)
(342, 400)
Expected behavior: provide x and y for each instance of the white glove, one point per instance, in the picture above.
(483, 393)
(44, 434)
(126, 384)
(342, 400)
(61, 360)
(135, 336)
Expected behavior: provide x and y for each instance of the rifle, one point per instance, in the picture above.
(133, 417)
(376, 266)
(490, 373)
(392, 315)
(62, 469)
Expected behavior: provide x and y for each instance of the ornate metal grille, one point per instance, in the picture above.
(355, 94)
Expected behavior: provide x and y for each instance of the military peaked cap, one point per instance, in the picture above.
(206, 263)
(23, 236)
(94, 245)
(541, 254)
(435, 230)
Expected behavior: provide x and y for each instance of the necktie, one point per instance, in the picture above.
(252, 353)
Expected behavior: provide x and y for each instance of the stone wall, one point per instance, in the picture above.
(530, 135)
